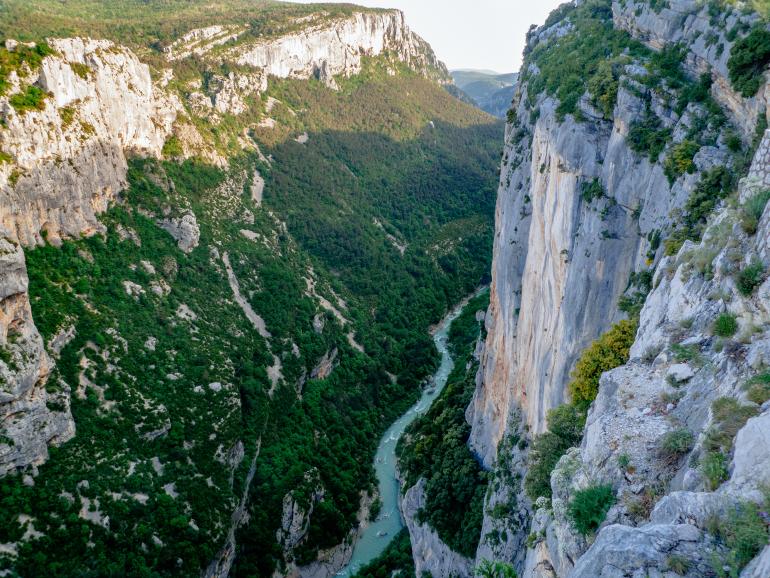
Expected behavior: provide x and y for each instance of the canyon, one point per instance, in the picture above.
(223, 247)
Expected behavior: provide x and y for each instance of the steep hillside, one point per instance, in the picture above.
(621, 389)
(225, 243)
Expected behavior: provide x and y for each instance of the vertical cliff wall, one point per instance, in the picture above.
(583, 205)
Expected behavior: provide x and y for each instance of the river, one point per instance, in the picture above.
(373, 540)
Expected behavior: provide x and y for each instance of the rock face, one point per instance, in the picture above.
(561, 263)
(31, 416)
(563, 259)
(326, 50)
(67, 163)
(69, 160)
(708, 42)
(431, 554)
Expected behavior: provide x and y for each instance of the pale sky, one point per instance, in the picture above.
(472, 33)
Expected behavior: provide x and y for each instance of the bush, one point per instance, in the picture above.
(752, 211)
(172, 148)
(680, 160)
(607, 352)
(748, 59)
(726, 325)
(592, 190)
(648, 136)
(33, 98)
(589, 507)
(758, 388)
(489, 569)
(729, 417)
(743, 532)
(676, 443)
(713, 186)
(565, 424)
(714, 469)
(749, 278)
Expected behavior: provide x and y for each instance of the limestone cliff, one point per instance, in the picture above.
(580, 211)
(330, 49)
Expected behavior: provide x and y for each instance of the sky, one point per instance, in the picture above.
(482, 34)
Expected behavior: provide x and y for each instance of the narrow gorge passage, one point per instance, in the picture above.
(375, 537)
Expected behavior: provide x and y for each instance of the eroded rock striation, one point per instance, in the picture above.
(581, 211)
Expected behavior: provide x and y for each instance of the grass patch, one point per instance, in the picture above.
(589, 507)
(743, 532)
(749, 278)
(726, 325)
(758, 388)
(752, 211)
(676, 444)
(33, 98)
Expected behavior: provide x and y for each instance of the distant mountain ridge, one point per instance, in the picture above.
(491, 91)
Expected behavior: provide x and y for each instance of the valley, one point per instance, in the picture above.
(273, 303)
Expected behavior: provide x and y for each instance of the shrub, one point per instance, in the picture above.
(743, 532)
(648, 136)
(713, 186)
(592, 190)
(172, 147)
(607, 352)
(749, 278)
(589, 507)
(82, 70)
(676, 443)
(752, 211)
(748, 59)
(33, 98)
(726, 325)
(603, 87)
(680, 160)
(565, 425)
(497, 569)
(758, 388)
(678, 564)
(714, 469)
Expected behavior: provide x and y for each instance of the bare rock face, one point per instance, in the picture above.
(184, 229)
(561, 263)
(31, 417)
(330, 49)
(69, 159)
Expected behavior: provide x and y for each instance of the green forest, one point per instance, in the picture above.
(386, 211)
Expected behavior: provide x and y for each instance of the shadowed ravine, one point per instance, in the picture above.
(375, 537)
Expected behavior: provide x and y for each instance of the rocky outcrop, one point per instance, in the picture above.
(68, 161)
(65, 163)
(336, 48)
(707, 38)
(33, 413)
(431, 554)
(562, 260)
(184, 229)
